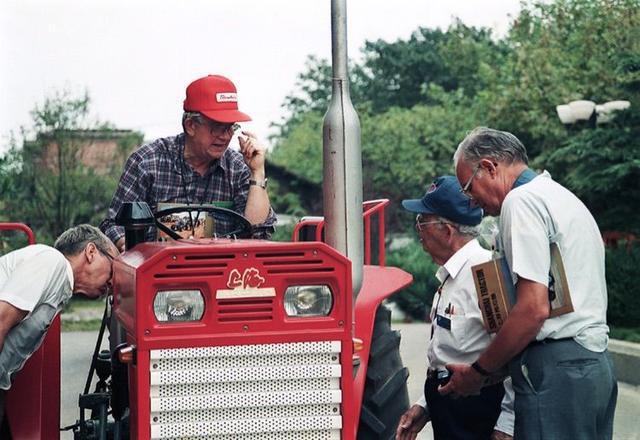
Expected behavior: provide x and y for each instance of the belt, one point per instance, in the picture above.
(548, 341)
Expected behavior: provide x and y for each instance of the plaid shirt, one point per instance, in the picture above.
(156, 173)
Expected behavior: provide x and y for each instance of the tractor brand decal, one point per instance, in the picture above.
(245, 285)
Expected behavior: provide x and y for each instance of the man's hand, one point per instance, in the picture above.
(465, 381)
(499, 435)
(254, 153)
(411, 423)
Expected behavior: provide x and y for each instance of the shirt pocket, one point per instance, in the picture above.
(455, 338)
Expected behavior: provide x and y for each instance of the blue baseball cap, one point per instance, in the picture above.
(445, 199)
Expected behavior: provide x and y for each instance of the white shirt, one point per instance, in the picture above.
(467, 338)
(541, 212)
(39, 280)
(34, 275)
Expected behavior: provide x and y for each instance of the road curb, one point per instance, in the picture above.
(626, 361)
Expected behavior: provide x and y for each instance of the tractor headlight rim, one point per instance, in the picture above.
(310, 300)
(178, 306)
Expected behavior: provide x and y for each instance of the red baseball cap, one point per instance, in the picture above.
(215, 97)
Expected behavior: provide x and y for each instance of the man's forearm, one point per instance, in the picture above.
(520, 328)
(257, 207)
(9, 317)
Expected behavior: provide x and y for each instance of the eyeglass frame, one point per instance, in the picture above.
(467, 186)
(419, 224)
(215, 128)
(110, 258)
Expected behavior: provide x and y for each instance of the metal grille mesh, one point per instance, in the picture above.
(268, 391)
(291, 435)
(263, 386)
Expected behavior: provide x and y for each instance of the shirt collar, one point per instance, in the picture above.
(454, 265)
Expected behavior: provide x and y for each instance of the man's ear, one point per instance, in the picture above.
(489, 166)
(90, 251)
(190, 126)
(450, 230)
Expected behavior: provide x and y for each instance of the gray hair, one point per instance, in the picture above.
(196, 116)
(487, 142)
(466, 230)
(74, 240)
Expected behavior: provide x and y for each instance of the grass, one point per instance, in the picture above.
(89, 325)
(82, 314)
(78, 302)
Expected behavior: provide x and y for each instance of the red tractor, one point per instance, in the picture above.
(229, 338)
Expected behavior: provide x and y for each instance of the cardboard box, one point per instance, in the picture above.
(496, 291)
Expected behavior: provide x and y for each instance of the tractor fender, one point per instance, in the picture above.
(378, 283)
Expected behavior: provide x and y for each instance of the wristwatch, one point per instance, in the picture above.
(476, 366)
(261, 183)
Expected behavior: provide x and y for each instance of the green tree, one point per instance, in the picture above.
(415, 98)
(400, 74)
(44, 181)
(576, 49)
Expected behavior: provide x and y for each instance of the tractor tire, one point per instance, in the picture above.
(385, 393)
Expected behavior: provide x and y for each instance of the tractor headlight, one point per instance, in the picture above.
(178, 305)
(308, 300)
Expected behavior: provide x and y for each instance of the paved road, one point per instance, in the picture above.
(77, 348)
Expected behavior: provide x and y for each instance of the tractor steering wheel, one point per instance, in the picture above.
(243, 230)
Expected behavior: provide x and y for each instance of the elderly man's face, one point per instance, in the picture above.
(96, 276)
(211, 139)
(479, 182)
(433, 234)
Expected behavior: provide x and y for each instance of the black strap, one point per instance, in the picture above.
(439, 293)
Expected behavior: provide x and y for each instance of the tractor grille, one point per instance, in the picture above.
(271, 391)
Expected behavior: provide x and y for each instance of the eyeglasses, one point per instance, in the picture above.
(420, 224)
(217, 128)
(467, 186)
(110, 258)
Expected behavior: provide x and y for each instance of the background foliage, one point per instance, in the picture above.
(43, 181)
(418, 97)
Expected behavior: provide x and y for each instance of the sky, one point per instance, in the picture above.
(136, 57)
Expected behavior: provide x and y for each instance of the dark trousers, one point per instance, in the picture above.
(464, 418)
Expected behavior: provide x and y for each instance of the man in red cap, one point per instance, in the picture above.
(196, 167)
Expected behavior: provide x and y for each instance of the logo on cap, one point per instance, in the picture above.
(432, 188)
(226, 97)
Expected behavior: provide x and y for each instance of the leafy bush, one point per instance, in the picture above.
(623, 279)
(416, 299)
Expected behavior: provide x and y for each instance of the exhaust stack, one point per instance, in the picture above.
(342, 156)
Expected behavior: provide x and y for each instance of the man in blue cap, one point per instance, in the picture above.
(447, 225)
